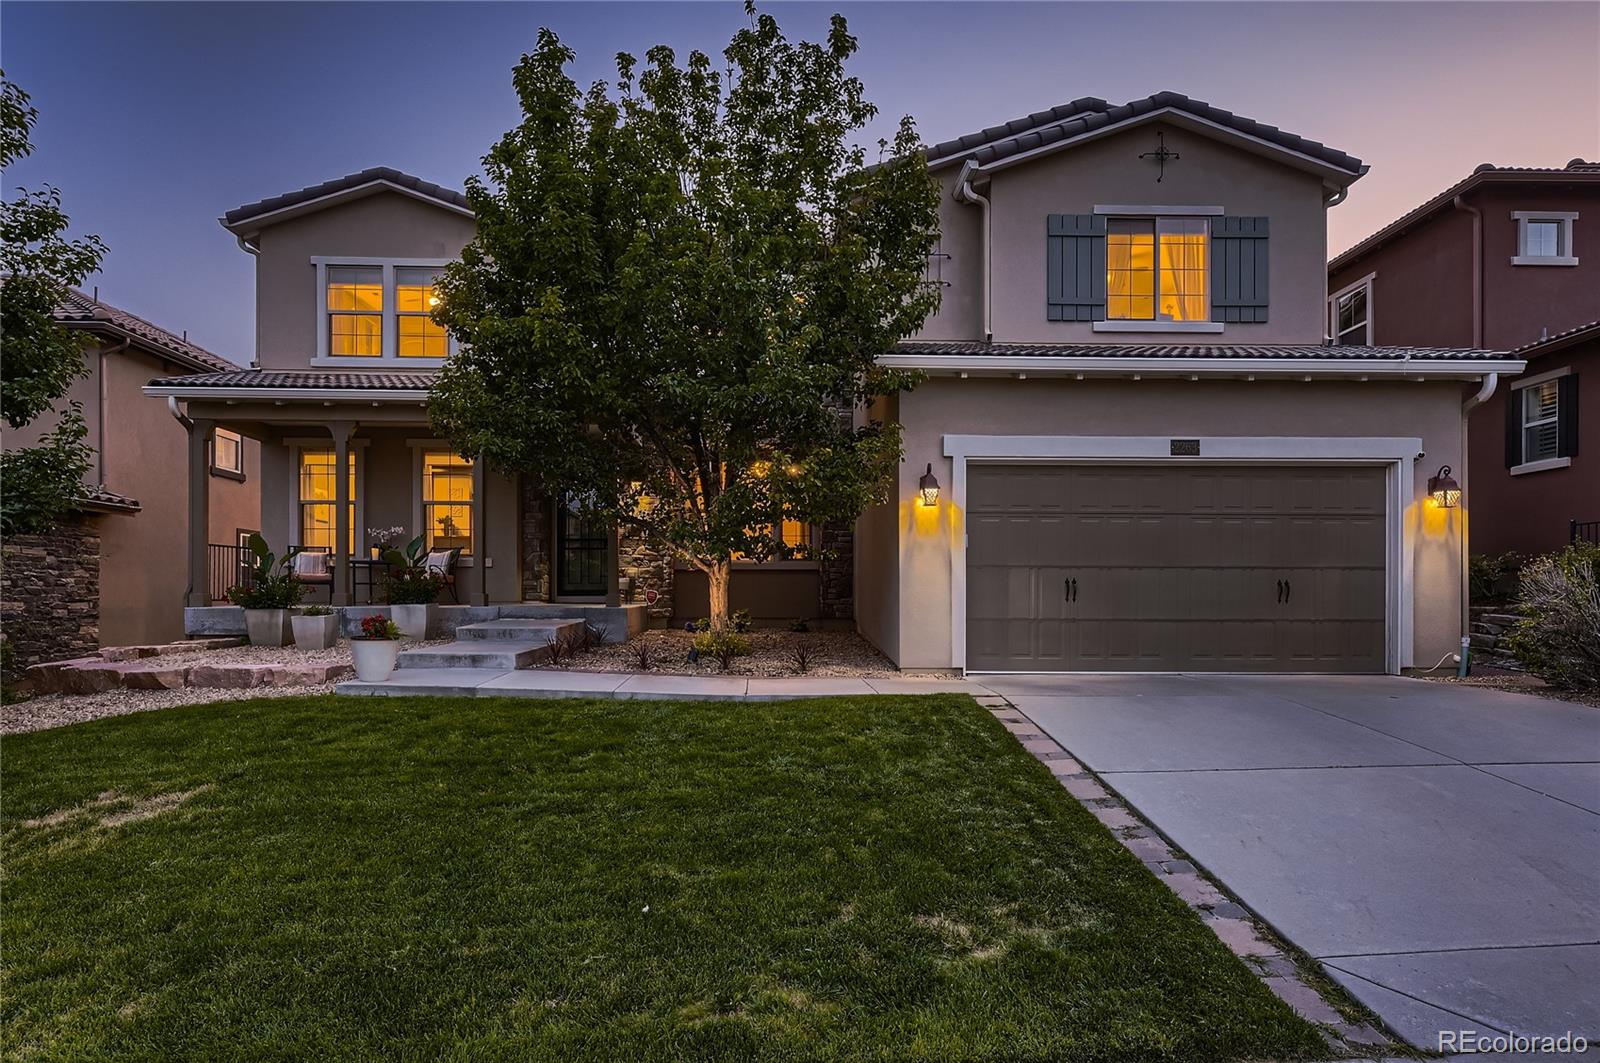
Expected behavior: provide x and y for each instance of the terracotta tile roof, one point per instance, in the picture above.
(82, 311)
(451, 197)
(297, 380)
(1589, 330)
(1300, 351)
(1089, 114)
(1579, 170)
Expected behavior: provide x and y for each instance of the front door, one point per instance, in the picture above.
(580, 555)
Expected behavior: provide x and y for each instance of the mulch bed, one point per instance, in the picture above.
(772, 653)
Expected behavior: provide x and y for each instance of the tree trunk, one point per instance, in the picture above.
(717, 590)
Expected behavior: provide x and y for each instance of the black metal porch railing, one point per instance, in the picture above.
(1586, 531)
(229, 566)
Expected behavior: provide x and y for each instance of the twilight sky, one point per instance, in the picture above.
(156, 118)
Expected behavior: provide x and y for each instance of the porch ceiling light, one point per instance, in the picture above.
(1443, 489)
(928, 487)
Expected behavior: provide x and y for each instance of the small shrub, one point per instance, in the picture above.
(703, 624)
(643, 655)
(1557, 638)
(1493, 578)
(412, 587)
(722, 645)
(316, 610)
(281, 591)
(799, 624)
(739, 621)
(378, 626)
(593, 636)
(800, 657)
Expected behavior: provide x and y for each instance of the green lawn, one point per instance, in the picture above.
(340, 878)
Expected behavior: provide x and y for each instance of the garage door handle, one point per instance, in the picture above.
(1069, 590)
(1280, 592)
(1288, 590)
(1074, 589)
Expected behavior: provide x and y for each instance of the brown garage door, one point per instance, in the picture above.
(1178, 568)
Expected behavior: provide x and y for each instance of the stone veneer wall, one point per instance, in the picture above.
(836, 556)
(650, 569)
(50, 594)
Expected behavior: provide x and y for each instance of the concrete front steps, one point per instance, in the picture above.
(500, 645)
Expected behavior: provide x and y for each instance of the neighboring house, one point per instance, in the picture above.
(139, 452)
(1508, 258)
(1146, 457)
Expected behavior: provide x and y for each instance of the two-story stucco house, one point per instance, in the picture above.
(1146, 456)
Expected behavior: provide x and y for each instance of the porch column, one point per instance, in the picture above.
(199, 593)
(341, 432)
(614, 565)
(478, 592)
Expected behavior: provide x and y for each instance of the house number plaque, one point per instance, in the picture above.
(1185, 448)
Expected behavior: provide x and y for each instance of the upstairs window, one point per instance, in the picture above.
(1544, 238)
(1157, 269)
(1350, 314)
(414, 300)
(355, 311)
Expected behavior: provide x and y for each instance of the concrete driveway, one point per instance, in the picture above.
(1437, 848)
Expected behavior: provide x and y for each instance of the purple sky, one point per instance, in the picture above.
(157, 118)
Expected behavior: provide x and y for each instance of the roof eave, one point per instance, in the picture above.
(250, 225)
(1344, 368)
(365, 396)
(100, 324)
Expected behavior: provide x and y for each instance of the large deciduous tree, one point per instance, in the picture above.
(678, 288)
(39, 359)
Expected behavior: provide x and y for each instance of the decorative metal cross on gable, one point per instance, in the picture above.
(1161, 155)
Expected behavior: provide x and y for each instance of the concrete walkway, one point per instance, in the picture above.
(548, 683)
(1436, 848)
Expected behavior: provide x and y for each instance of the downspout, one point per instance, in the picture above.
(177, 413)
(253, 249)
(965, 194)
(1327, 311)
(1490, 382)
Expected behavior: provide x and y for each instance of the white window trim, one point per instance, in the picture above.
(390, 358)
(1565, 217)
(1540, 464)
(1123, 325)
(1543, 465)
(1333, 307)
(1148, 210)
(1397, 455)
(299, 446)
(211, 460)
(418, 448)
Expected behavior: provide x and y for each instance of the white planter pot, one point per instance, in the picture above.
(315, 632)
(416, 621)
(374, 658)
(267, 627)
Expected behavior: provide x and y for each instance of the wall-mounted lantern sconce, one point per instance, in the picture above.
(1443, 489)
(928, 487)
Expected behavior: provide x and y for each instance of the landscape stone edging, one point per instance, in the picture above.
(1235, 925)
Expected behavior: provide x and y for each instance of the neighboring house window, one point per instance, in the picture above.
(227, 453)
(318, 499)
(414, 300)
(1544, 238)
(1156, 269)
(355, 311)
(792, 538)
(1542, 422)
(447, 500)
(1350, 314)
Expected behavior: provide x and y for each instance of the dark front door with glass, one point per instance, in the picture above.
(580, 555)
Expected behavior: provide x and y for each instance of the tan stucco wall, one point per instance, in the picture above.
(1108, 171)
(384, 225)
(920, 544)
(388, 495)
(142, 452)
(876, 562)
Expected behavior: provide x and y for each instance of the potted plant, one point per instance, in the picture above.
(271, 591)
(384, 539)
(413, 590)
(316, 627)
(375, 651)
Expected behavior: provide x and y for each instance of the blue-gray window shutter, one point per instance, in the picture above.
(1239, 269)
(1075, 268)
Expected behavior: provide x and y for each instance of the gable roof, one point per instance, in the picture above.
(253, 216)
(78, 310)
(1578, 170)
(1091, 117)
(1572, 336)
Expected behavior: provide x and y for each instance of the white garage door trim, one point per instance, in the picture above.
(1397, 455)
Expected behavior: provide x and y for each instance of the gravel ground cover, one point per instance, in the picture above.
(772, 653)
(59, 710)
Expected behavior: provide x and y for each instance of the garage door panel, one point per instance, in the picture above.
(1179, 567)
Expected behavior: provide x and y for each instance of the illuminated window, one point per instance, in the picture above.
(355, 311)
(227, 451)
(1157, 269)
(318, 500)
(793, 537)
(447, 500)
(414, 300)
